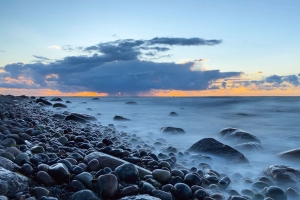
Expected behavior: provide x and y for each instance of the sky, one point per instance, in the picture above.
(150, 48)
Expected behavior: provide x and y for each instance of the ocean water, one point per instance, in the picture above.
(271, 119)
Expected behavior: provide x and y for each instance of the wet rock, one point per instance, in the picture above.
(192, 179)
(162, 195)
(56, 99)
(120, 118)
(129, 191)
(182, 191)
(75, 118)
(14, 151)
(200, 194)
(59, 105)
(8, 142)
(26, 169)
(173, 113)
(140, 197)
(21, 157)
(107, 185)
(131, 102)
(85, 178)
(128, 173)
(293, 154)
(249, 146)
(276, 193)
(163, 176)
(38, 192)
(63, 140)
(259, 185)
(8, 156)
(93, 165)
(224, 182)
(60, 173)
(216, 148)
(39, 158)
(59, 116)
(238, 136)
(76, 185)
(84, 195)
(43, 101)
(12, 182)
(284, 174)
(37, 149)
(174, 130)
(106, 160)
(146, 188)
(43, 177)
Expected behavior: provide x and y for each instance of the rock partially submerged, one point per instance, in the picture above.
(120, 118)
(56, 99)
(12, 182)
(59, 105)
(173, 113)
(216, 148)
(43, 101)
(131, 102)
(293, 154)
(170, 129)
(238, 136)
(249, 146)
(82, 118)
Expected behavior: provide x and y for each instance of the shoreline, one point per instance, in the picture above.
(64, 159)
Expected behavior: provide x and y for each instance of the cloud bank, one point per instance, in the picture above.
(116, 67)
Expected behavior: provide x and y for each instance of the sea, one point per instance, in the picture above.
(274, 120)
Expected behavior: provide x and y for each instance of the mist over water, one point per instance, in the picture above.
(271, 119)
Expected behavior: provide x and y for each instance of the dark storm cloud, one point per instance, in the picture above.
(116, 67)
(275, 81)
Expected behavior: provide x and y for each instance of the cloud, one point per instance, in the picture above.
(40, 57)
(259, 72)
(116, 66)
(55, 47)
(299, 74)
(2, 51)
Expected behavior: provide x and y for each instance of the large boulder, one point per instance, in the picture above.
(43, 101)
(293, 154)
(56, 99)
(238, 136)
(120, 118)
(59, 105)
(284, 175)
(85, 116)
(75, 118)
(249, 146)
(170, 129)
(12, 182)
(216, 148)
(106, 160)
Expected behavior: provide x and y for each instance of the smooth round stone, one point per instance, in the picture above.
(63, 140)
(175, 179)
(84, 195)
(176, 172)
(259, 185)
(276, 193)
(162, 195)
(292, 193)
(218, 196)
(224, 182)
(25, 136)
(192, 179)
(85, 178)
(72, 161)
(43, 177)
(129, 191)
(19, 158)
(7, 155)
(107, 185)
(247, 192)
(163, 176)
(26, 169)
(67, 163)
(258, 197)
(146, 188)
(93, 165)
(128, 173)
(182, 191)
(47, 198)
(164, 164)
(43, 167)
(76, 169)
(8, 142)
(76, 185)
(60, 173)
(37, 149)
(200, 194)
(38, 192)
(167, 188)
(14, 151)
(154, 182)
(39, 158)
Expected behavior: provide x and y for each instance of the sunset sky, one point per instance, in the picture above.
(150, 48)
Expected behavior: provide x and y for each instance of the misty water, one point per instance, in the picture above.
(272, 119)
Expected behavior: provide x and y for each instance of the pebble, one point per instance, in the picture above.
(37, 149)
(107, 185)
(127, 172)
(163, 176)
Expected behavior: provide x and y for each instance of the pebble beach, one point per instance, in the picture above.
(55, 154)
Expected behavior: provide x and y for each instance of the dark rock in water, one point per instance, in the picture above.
(59, 105)
(200, 194)
(182, 191)
(12, 182)
(146, 188)
(276, 193)
(128, 172)
(107, 185)
(140, 197)
(293, 154)
(234, 197)
(191, 179)
(59, 116)
(216, 148)
(56, 99)
(259, 185)
(75, 118)
(173, 113)
(43, 101)
(60, 173)
(238, 136)
(284, 175)
(43, 177)
(170, 129)
(292, 194)
(250, 146)
(224, 182)
(96, 98)
(68, 101)
(131, 102)
(85, 116)
(120, 118)
(84, 195)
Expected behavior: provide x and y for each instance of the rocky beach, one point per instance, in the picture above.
(50, 154)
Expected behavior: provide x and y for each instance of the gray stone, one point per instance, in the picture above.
(8, 164)
(238, 136)
(63, 140)
(8, 142)
(163, 176)
(37, 149)
(84, 195)
(140, 197)
(293, 155)
(12, 183)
